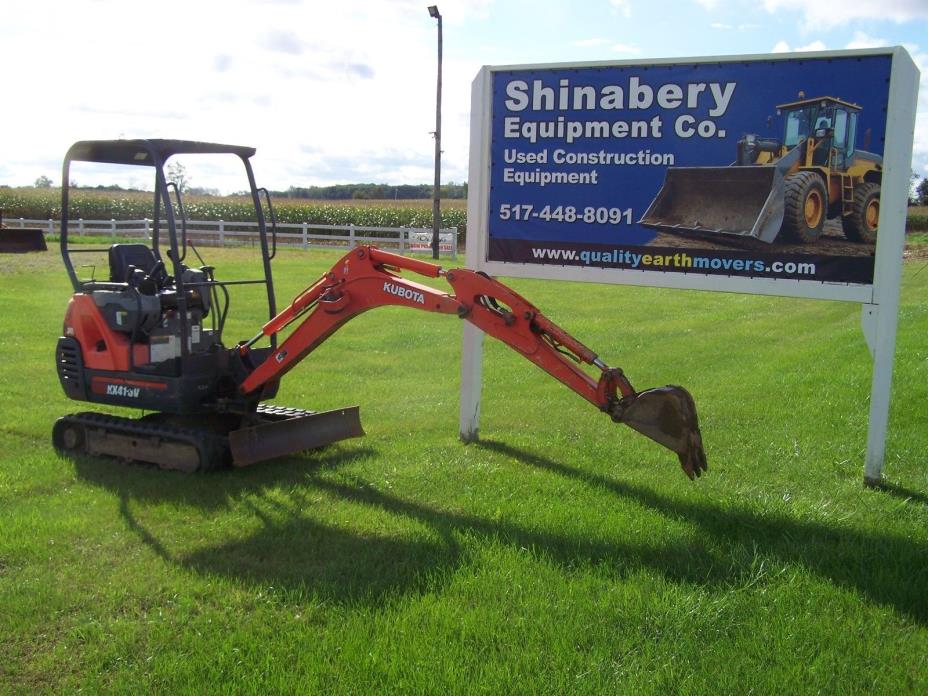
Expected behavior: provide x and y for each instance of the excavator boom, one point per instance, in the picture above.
(368, 277)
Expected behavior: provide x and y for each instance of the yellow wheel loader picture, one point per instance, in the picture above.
(781, 190)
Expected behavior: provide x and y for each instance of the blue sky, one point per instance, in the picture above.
(344, 92)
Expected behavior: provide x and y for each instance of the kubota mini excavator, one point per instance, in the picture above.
(152, 340)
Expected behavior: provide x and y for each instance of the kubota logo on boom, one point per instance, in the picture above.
(406, 293)
(122, 390)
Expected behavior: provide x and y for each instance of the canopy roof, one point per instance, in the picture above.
(145, 152)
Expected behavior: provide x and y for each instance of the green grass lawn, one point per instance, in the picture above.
(562, 554)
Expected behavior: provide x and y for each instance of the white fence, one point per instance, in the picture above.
(223, 233)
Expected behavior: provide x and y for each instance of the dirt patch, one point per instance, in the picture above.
(831, 243)
(915, 252)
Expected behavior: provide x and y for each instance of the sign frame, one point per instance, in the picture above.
(879, 300)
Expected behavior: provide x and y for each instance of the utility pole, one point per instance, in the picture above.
(436, 189)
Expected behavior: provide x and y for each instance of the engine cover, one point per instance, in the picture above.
(128, 310)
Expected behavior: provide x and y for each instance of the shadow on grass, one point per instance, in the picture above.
(290, 550)
(905, 494)
(293, 551)
(889, 569)
(297, 553)
(214, 490)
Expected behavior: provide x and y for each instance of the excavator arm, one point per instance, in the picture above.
(368, 277)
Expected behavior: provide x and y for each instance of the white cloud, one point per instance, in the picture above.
(783, 47)
(862, 40)
(823, 14)
(814, 46)
(624, 7)
(739, 27)
(588, 43)
(625, 48)
(282, 42)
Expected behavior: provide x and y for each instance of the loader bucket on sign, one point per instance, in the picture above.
(667, 415)
(742, 201)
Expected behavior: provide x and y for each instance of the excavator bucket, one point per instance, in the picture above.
(742, 201)
(667, 415)
(284, 433)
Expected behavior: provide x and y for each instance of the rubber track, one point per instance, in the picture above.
(210, 447)
(213, 449)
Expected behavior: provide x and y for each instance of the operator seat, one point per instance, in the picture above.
(124, 257)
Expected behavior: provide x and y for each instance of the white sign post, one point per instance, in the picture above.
(880, 317)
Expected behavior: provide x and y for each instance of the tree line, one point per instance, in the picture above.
(919, 195)
(341, 192)
(337, 192)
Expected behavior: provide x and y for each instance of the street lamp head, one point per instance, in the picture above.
(433, 12)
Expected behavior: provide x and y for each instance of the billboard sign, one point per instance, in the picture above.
(766, 168)
(778, 174)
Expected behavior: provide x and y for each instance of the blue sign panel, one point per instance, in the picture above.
(757, 168)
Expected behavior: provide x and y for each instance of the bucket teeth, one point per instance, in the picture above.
(667, 415)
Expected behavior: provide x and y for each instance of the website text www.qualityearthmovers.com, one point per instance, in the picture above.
(619, 258)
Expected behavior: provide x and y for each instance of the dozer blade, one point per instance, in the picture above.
(742, 201)
(667, 415)
(290, 435)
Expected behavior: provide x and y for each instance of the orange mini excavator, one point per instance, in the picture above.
(150, 337)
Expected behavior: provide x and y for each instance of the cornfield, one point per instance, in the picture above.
(917, 219)
(44, 204)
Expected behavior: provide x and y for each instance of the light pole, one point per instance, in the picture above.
(436, 189)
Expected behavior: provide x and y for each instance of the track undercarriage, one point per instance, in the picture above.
(204, 443)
